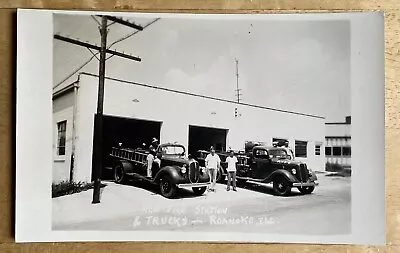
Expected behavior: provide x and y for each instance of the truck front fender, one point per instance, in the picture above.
(286, 174)
(171, 171)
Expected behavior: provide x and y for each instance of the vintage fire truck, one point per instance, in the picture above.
(263, 165)
(174, 169)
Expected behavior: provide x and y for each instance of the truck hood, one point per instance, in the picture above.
(176, 159)
(285, 162)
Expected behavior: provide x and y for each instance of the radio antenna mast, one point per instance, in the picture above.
(237, 82)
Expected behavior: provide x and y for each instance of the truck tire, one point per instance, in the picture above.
(119, 174)
(167, 187)
(220, 177)
(241, 182)
(282, 186)
(306, 190)
(198, 191)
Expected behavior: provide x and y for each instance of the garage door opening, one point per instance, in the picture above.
(202, 138)
(132, 133)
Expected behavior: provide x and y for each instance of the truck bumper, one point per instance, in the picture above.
(190, 185)
(307, 184)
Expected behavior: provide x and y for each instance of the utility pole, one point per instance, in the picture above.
(98, 121)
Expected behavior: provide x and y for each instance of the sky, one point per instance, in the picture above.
(301, 66)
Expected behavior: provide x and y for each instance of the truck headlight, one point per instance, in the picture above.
(294, 171)
(183, 169)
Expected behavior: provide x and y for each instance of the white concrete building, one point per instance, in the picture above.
(338, 143)
(135, 114)
(137, 107)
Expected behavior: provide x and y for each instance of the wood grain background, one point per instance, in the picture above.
(391, 8)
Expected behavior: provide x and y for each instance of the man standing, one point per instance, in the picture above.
(213, 163)
(150, 160)
(232, 161)
(151, 157)
(154, 144)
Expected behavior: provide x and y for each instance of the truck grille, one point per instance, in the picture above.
(303, 173)
(194, 172)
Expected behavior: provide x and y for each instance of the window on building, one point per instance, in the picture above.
(300, 148)
(346, 151)
(317, 149)
(337, 151)
(328, 150)
(62, 135)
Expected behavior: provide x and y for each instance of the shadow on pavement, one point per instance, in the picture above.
(142, 184)
(265, 189)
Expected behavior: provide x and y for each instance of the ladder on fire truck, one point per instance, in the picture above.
(136, 156)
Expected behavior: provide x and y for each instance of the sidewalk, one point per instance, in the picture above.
(124, 200)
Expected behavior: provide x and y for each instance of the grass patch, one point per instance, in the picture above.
(339, 170)
(333, 167)
(67, 188)
(344, 173)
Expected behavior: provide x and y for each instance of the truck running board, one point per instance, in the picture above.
(258, 183)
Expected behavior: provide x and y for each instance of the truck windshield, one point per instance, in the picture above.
(172, 150)
(280, 153)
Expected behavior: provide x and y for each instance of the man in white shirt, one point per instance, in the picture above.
(152, 157)
(231, 169)
(213, 163)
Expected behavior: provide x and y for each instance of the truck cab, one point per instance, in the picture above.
(172, 170)
(277, 165)
(263, 165)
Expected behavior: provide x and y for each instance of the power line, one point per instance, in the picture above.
(125, 23)
(75, 71)
(90, 46)
(204, 96)
(133, 33)
(93, 56)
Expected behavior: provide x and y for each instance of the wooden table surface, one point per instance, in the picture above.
(391, 9)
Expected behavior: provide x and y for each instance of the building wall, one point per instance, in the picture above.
(62, 110)
(178, 111)
(338, 135)
(338, 129)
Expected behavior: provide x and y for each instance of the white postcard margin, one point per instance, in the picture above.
(34, 136)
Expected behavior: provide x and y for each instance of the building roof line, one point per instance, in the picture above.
(66, 89)
(338, 137)
(204, 96)
(337, 123)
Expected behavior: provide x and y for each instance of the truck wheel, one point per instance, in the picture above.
(241, 182)
(220, 177)
(119, 174)
(306, 190)
(281, 186)
(167, 187)
(199, 190)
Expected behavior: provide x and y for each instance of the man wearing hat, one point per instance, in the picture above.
(151, 157)
(213, 163)
(154, 144)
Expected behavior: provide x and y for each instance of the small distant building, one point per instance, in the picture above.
(338, 143)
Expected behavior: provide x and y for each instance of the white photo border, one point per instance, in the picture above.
(34, 135)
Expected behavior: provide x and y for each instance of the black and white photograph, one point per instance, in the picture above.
(233, 125)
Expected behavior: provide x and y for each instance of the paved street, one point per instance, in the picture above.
(138, 207)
